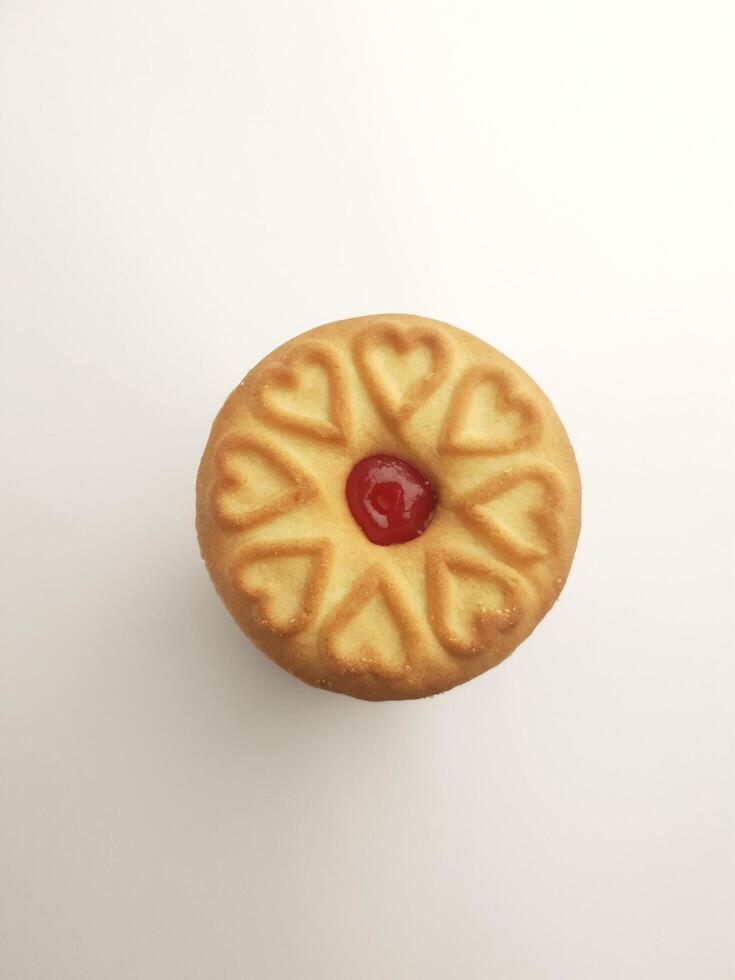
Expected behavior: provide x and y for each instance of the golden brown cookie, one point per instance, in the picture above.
(468, 470)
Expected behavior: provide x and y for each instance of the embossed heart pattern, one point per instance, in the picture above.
(296, 571)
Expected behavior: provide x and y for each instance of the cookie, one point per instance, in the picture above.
(387, 506)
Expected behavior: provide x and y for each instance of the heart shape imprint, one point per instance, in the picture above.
(487, 613)
(279, 485)
(540, 537)
(515, 419)
(252, 577)
(373, 629)
(289, 398)
(412, 385)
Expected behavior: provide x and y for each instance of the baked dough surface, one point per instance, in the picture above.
(296, 571)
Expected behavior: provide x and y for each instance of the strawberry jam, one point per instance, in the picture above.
(390, 499)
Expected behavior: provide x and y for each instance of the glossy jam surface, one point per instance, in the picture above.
(390, 499)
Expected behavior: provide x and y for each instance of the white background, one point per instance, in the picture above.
(184, 185)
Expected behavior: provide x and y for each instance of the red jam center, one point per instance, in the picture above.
(391, 500)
